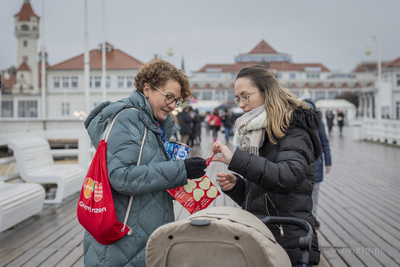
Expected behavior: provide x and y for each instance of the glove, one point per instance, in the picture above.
(195, 167)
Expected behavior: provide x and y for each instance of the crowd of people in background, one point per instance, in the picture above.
(190, 121)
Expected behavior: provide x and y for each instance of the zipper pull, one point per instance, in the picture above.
(281, 228)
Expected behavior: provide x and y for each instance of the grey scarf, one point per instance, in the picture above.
(251, 130)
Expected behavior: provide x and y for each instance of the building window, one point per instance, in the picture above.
(24, 27)
(74, 82)
(207, 95)
(218, 95)
(65, 108)
(397, 110)
(65, 82)
(121, 81)
(129, 81)
(7, 109)
(90, 82)
(27, 109)
(231, 95)
(312, 75)
(25, 43)
(108, 84)
(370, 69)
(292, 76)
(319, 95)
(56, 82)
(398, 79)
(34, 28)
(332, 95)
(25, 59)
(97, 81)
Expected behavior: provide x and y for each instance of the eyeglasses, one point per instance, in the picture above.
(244, 99)
(169, 99)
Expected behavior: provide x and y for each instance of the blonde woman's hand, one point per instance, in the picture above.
(227, 154)
(226, 181)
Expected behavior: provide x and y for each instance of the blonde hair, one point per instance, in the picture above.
(158, 72)
(279, 102)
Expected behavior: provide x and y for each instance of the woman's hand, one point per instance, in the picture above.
(226, 181)
(227, 154)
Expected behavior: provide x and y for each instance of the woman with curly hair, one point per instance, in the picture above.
(160, 88)
(274, 163)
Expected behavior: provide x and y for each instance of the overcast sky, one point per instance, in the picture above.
(332, 32)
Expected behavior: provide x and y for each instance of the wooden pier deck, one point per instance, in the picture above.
(358, 211)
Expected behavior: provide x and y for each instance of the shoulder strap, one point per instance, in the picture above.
(105, 138)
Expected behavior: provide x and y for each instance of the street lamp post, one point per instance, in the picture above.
(368, 51)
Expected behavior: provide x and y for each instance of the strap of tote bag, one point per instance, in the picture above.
(105, 138)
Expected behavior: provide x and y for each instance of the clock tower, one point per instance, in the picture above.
(27, 33)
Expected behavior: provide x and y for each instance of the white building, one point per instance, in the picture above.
(65, 81)
(213, 84)
(65, 94)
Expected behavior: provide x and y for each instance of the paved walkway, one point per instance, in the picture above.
(358, 210)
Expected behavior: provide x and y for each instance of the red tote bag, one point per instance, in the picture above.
(96, 210)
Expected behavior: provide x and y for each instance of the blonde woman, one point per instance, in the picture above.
(277, 144)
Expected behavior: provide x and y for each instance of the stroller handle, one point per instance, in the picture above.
(304, 241)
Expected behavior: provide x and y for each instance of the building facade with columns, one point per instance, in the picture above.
(214, 83)
(387, 97)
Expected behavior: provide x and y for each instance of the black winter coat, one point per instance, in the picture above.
(185, 121)
(279, 182)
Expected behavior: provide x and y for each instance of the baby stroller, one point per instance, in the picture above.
(222, 236)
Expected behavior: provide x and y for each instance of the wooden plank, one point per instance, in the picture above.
(34, 226)
(40, 257)
(72, 257)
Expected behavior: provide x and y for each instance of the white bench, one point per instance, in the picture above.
(35, 164)
(18, 201)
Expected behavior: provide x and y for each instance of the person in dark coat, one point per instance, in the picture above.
(319, 163)
(196, 127)
(340, 121)
(329, 120)
(185, 122)
(277, 144)
(228, 121)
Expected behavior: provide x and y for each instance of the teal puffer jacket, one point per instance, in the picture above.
(152, 205)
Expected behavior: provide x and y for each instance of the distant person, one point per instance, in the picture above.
(207, 119)
(329, 120)
(215, 124)
(228, 122)
(185, 122)
(340, 120)
(196, 127)
(319, 163)
(160, 88)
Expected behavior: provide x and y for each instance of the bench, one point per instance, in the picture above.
(18, 201)
(35, 164)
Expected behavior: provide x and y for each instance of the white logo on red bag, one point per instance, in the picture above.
(98, 192)
(89, 186)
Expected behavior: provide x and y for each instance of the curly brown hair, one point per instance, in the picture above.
(158, 72)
